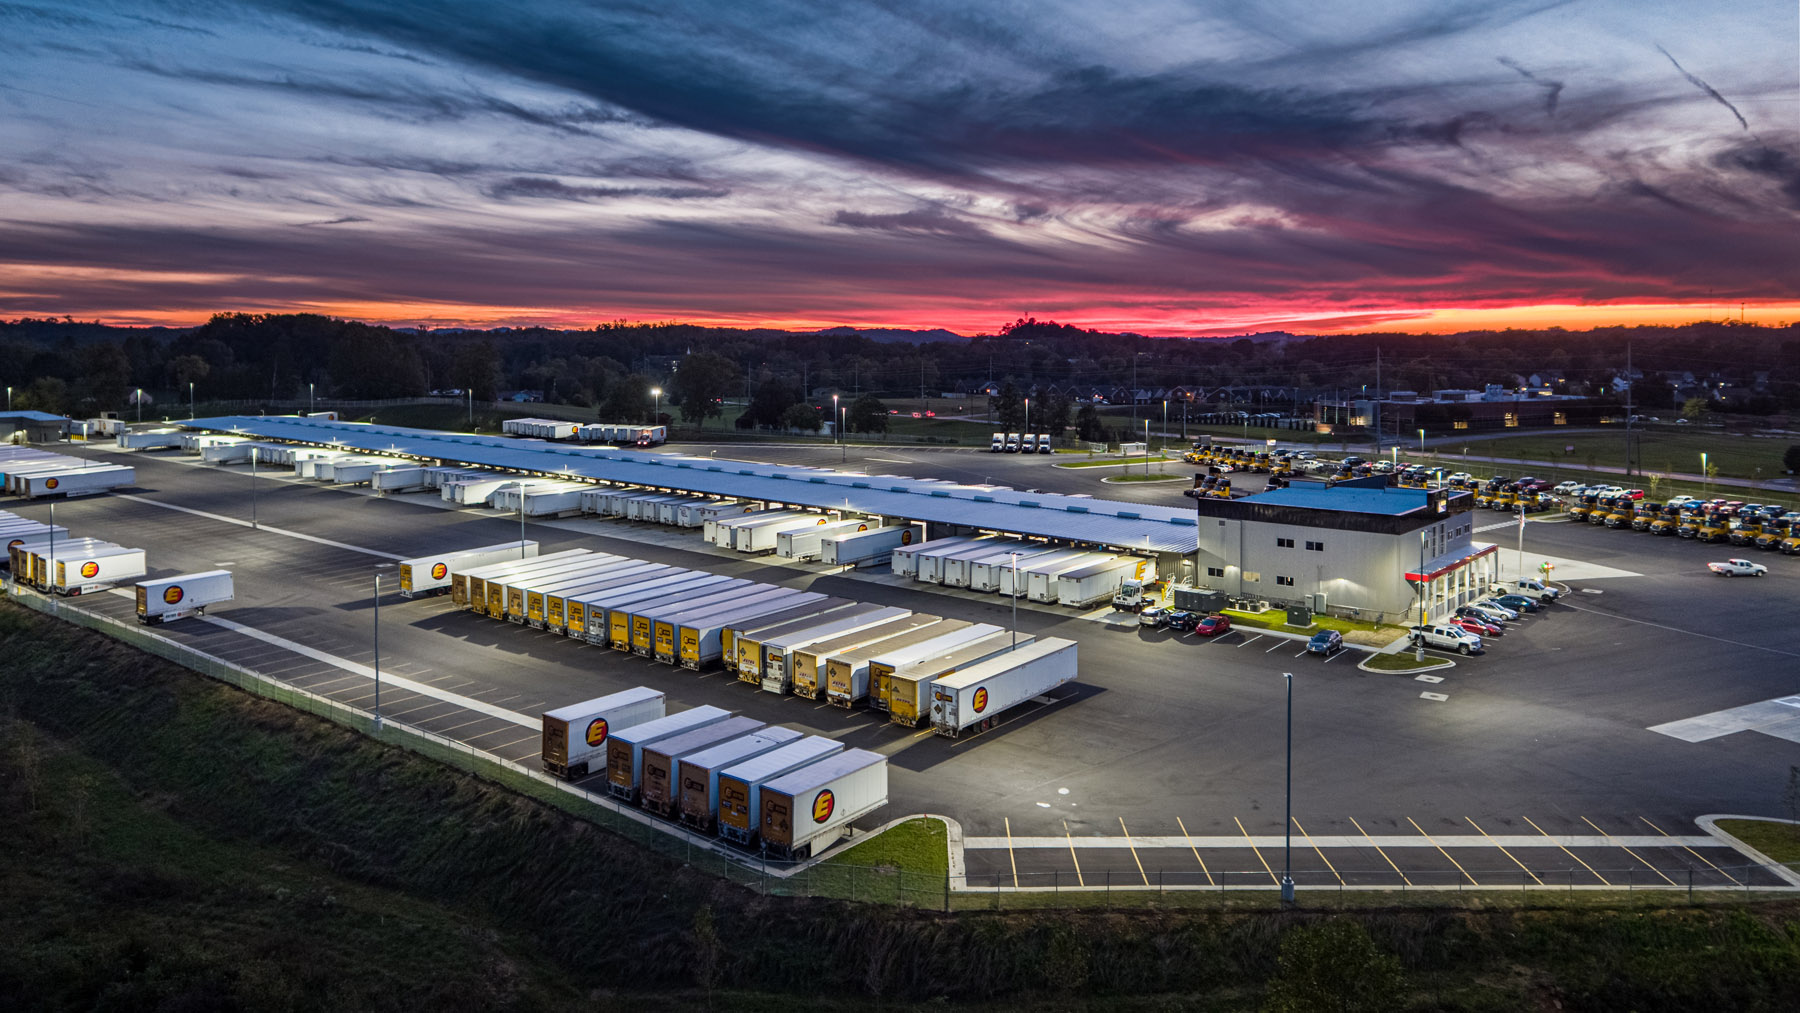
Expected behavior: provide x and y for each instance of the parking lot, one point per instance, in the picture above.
(1165, 759)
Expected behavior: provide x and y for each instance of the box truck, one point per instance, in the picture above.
(909, 688)
(948, 638)
(659, 789)
(431, 574)
(95, 571)
(846, 675)
(78, 481)
(744, 655)
(809, 662)
(976, 696)
(809, 809)
(700, 641)
(873, 547)
(804, 544)
(575, 736)
(625, 746)
(171, 598)
(740, 785)
(464, 583)
(778, 653)
(1101, 581)
(698, 772)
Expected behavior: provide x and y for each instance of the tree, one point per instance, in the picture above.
(1088, 425)
(105, 375)
(1791, 459)
(701, 382)
(477, 368)
(1009, 408)
(186, 369)
(627, 399)
(1693, 408)
(868, 415)
(769, 402)
(801, 415)
(1334, 966)
(46, 394)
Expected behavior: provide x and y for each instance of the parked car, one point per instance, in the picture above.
(1529, 587)
(1738, 568)
(1518, 602)
(1153, 617)
(1504, 610)
(1212, 625)
(1181, 621)
(1483, 613)
(1445, 637)
(1565, 488)
(1326, 642)
(1479, 627)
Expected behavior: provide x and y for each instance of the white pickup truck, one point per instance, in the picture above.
(1738, 568)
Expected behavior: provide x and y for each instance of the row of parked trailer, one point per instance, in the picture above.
(46, 557)
(1033, 570)
(589, 432)
(36, 474)
(754, 785)
(781, 639)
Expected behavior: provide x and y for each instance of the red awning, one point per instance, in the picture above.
(1464, 561)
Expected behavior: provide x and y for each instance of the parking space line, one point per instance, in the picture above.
(1195, 850)
(1503, 850)
(1440, 849)
(1566, 851)
(1258, 854)
(1009, 852)
(1247, 643)
(1378, 851)
(1315, 847)
(1134, 854)
(1627, 850)
(1278, 646)
(1691, 851)
(1072, 857)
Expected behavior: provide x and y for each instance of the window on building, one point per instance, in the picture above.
(1284, 543)
(1251, 576)
(1285, 581)
(1559, 419)
(1215, 571)
(1315, 546)
(1460, 424)
(1512, 420)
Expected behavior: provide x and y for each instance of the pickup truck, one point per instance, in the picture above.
(1738, 568)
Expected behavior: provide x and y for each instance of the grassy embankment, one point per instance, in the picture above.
(174, 843)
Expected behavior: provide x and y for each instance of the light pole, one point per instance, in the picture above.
(191, 412)
(1703, 476)
(1147, 446)
(655, 404)
(252, 487)
(843, 448)
(309, 399)
(1287, 859)
(378, 652)
(834, 418)
(9, 399)
(140, 404)
(1015, 603)
(1421, 443)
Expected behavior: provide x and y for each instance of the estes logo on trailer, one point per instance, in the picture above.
(172, 594)
(89, 568)
(980, 701)
(823, 806)
(51, 483)
(438, 570)
(596, 731)
(906, 537)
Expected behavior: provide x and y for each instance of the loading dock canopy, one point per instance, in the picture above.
(1132, 526)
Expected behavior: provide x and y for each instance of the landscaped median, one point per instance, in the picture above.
(1404, 661)
(1114, 462)
(1144, 478)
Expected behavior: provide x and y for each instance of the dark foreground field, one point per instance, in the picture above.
(171, 843)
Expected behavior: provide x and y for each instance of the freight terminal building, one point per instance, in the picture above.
(1358, 549)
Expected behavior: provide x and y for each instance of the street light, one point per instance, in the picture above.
(309, 399)
(140, 404)
(843, 449)
(191, 412)
(1421, 442)
(835, 416)
(1015, 603)
(1287, 860)
(655, 404)
(9, 399)
(252, 487)
(378, 653)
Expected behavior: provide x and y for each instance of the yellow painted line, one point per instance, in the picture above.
(1009, 852)
(1627, 850)
(1503, 851)
(1691, 851)
(1441, 850)
(1253, 850)
(1322, 857)
(1134, 854)
(1378, 851)
(1072, 857)
(1566, 851)
(1196, 851)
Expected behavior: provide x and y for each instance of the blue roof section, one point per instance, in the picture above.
(1070, 518)
(1350, 499)
(33, 416)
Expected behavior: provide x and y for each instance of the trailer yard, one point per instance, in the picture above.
(1163, 749)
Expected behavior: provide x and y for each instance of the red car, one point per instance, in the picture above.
(1212, 626)
(1476, 626)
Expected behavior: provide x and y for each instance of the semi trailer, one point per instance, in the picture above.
(778, 652)
(872, 547)
(740, 785)
(809, 662)
(810, 808)
(431, 574)
(846, 675)
(697, 774)
(575, 736)
(909, 688)
(659, 790)
(170, 598)
(625, 747)
(977, 696)
(948, 638)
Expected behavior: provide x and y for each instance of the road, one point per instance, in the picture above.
(1163, 741)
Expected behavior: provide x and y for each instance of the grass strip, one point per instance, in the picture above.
(1402, 662)
(1780, 841)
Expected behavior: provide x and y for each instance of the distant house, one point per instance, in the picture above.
(521, 396)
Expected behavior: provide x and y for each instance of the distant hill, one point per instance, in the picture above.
(894, 335)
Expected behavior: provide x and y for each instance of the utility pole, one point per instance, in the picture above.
(378, 653)
(1287, 861)
(1628, 386)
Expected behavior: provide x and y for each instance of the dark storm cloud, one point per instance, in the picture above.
(536, 188)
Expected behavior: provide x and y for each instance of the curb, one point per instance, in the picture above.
(1364, 666)
(1710, 824)
(1121, 464)
(1121, 479)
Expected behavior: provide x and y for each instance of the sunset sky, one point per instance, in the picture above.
(1207, 167)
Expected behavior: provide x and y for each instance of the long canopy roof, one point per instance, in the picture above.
(1047, 515)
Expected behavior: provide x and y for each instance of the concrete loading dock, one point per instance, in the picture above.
(909, 688)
